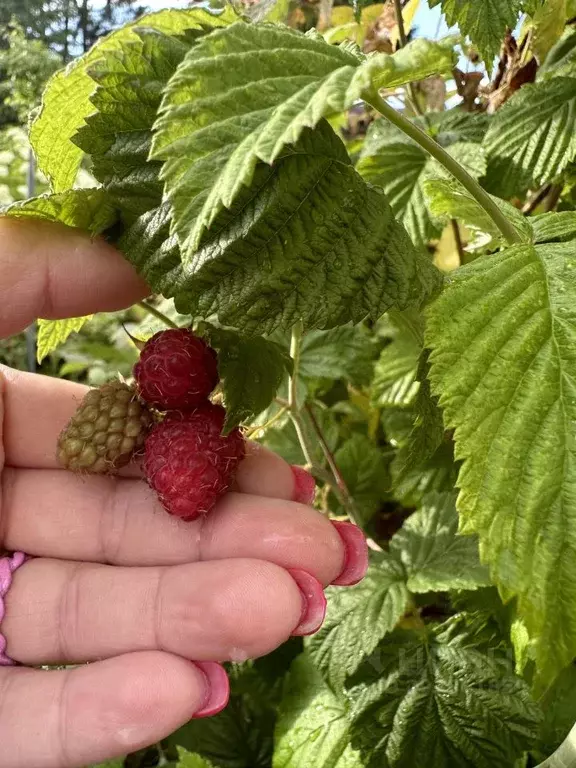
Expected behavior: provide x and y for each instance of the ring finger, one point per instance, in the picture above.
(62, 612)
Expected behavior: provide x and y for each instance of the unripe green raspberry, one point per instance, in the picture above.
(109, 426)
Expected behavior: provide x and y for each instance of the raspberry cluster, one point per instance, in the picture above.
(187, 460)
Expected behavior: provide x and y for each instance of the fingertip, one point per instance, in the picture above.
(264, 473)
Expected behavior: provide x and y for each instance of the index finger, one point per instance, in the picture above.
(53, 271)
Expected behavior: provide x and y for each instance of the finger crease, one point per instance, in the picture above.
(158, 610)
(68, 619)
(63, 729)
(113, 523)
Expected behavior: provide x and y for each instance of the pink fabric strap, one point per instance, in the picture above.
(7, 567)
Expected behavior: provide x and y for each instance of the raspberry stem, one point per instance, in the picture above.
(156, 312)
(333, 478)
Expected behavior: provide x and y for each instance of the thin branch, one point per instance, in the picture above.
(156, 313)
(347, 500)
(400, 22)
(411, 91)
(452, 166)
(458, 239)
(536, 199)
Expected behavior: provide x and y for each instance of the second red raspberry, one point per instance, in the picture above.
(189, 463)
(176, 370)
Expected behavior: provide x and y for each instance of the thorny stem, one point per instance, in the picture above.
(156, 312)
(347, 500)
(333, 478)
(403, 40)
(452, 166)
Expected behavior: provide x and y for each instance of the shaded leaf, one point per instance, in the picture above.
(401, 167)
(365, 472)
(251, 370)
(432, 699)
(358, 618)
(435, 556)
(312, 728)
(344, 352)
(394, 383)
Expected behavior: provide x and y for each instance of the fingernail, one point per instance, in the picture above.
(304, 486)
(217, 688)
(313, 602)
(355, 554)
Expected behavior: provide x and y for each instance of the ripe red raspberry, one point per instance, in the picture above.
(176, 370)
(189, 463)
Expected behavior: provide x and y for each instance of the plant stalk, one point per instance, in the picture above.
(329, 478)
(345, 496)
(156, 313)
(403, 40)
(452, 166)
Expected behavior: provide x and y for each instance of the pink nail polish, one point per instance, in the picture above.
(313, 602)
(304, 486)
(355, 554)
(217, 688)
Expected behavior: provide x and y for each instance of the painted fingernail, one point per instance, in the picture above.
(304, 485)
(217, 688)
(355, 554)
(313, 602)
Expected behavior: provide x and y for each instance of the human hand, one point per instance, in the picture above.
(116, 581)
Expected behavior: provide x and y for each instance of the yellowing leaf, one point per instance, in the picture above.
(548, 25)
(52, 333)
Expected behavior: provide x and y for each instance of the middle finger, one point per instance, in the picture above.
(51, 513)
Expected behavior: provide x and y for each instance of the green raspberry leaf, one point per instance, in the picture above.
(554, 227)
(312, 728)
(345, 352)
(66, 101)
(559, 707)
(431, 699)
(503, 336)
(484, 21)
(88, 209)
(52, 333)
(190, 760)
(358, 618)
(118, 135)
(243, 94)
(427, 434)
(447, 199)
(394, 383)
(534, 134)
(436, 558)
(363, 467)
(251, 371)
(308, 240)
(401, 167)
